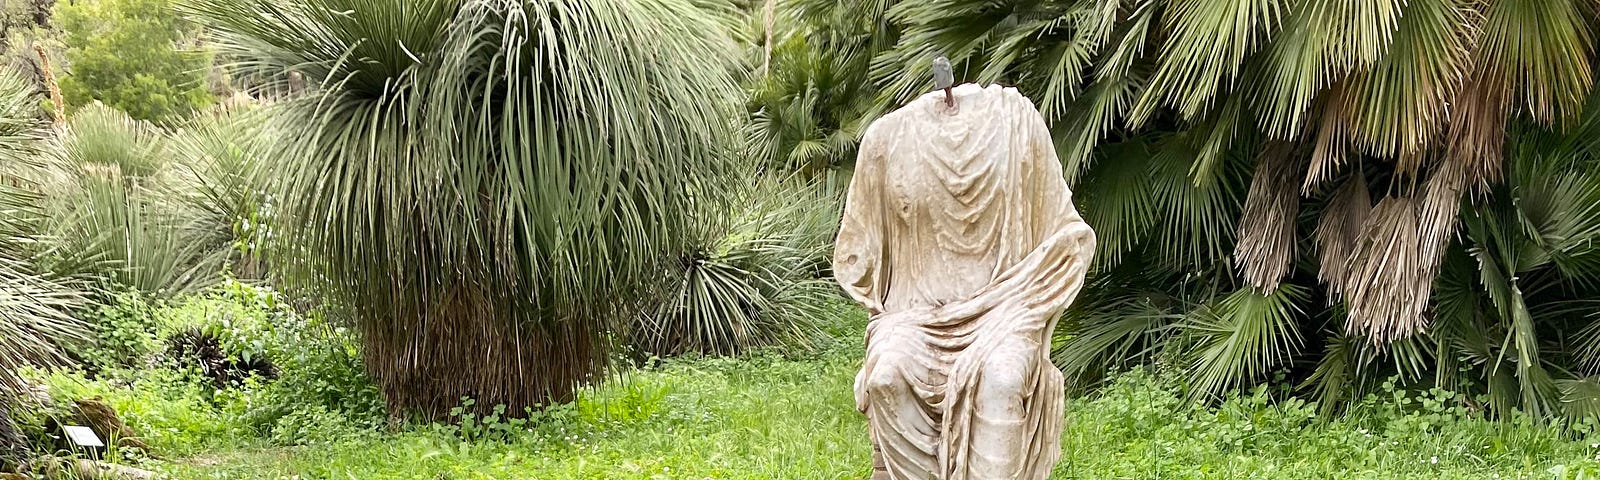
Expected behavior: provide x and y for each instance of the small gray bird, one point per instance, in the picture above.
(943, 78)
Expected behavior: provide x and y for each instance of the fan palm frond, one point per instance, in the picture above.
(1319, 42)
(1397, 107)
(1389, 281)
(1207, 44)
(1242, 337)
(1339, 230)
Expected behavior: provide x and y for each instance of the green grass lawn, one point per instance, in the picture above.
(770, 417)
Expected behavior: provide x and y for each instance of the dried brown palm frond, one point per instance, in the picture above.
(1389, 280)
(1477, 133)
(58, 109)
(1266, 249)
(1328, 151)
(1441, 202)
(1339, 230)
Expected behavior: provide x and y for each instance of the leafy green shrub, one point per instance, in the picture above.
(322, 395)
(313, 424)
(245, 320)
(494, 426)
(124, 334)
(202, 352)
(321, 388)
(320, 385)
(168, 410)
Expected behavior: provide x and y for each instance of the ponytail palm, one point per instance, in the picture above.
(490, 186)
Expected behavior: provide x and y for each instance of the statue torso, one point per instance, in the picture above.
(947, 186)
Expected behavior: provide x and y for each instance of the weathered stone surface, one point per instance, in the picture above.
(960, 237)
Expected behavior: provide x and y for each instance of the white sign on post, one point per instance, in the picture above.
(83, 436)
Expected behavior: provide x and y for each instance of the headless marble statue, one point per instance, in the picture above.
(960, 238)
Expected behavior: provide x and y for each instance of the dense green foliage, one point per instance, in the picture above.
(135, 55)
(752, 277)
(1288, 187)
(37, 306)
(123, 202)
(175, 406)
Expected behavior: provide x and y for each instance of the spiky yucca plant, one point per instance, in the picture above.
(219, 186)
(106, 179)
(754, 277)
(488, 187)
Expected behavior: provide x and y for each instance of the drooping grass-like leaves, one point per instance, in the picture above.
(489, 187)
(36, 307)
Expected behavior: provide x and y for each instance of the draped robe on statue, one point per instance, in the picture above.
(960, 236)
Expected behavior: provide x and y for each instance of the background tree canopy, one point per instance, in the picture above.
(138, 56)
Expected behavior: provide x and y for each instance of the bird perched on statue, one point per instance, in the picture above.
(943, 78)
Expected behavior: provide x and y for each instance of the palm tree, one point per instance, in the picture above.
(809, 107)
(1230, 152)
(488, 188)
